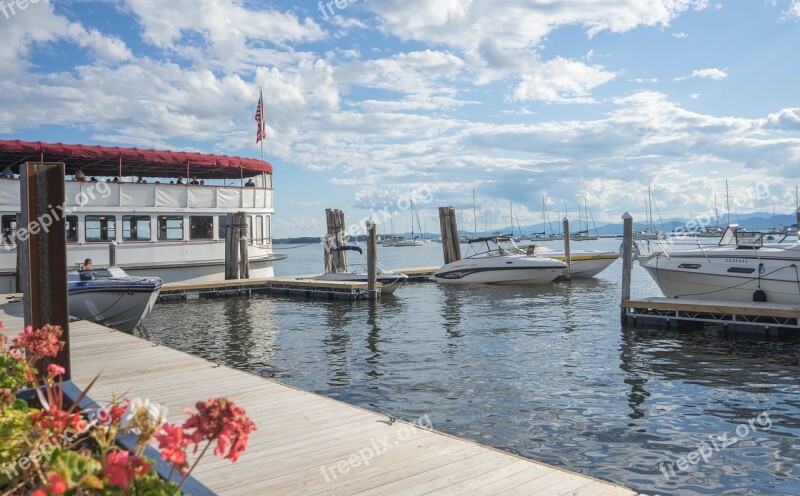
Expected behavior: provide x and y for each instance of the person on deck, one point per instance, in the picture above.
(85, 270)
(250, 183)
(79, 175)
(7, 173)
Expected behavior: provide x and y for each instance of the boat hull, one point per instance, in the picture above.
(509, 271)
(119, 305)
(389, 282)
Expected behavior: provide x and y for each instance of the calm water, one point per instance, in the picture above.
(545, 372)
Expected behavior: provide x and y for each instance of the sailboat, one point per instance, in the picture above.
(413, 240)
(583, 234)
(650, 233)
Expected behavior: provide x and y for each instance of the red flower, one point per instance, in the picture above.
(121, 467)
(173, 445)
(116, 411)
(54, 370)
(39, 343)
(57, 486)
(55, 420)
(222, 421)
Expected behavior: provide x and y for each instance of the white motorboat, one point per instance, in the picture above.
(111, 297)
(741, 268)
(357, 272)
(398, 242)
(583, 263)
(498, 260)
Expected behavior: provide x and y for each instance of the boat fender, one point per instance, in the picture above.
(760, 296)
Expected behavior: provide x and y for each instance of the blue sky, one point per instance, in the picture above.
(516, 99)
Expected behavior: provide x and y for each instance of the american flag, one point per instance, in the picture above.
(262, 126)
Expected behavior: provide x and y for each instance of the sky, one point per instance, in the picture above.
(371, 102)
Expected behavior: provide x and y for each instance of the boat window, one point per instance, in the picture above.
(9, 228)
(259, 230)
(250, 227)
(689, 266)
(71, 224)
(100, 228)
(741, 270)
(201, 227)
(267, 233)
(222, 226)
(136, 228)
(170, 227)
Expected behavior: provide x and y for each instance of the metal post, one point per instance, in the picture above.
(43, 267)
(372, 260)
(627, 262)
(567, 255)
(112, 253)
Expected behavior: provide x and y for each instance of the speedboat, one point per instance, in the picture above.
(583, 263)
(398, 242)
(357, 272)
(498, 260)
(111, 297)
(741, 268)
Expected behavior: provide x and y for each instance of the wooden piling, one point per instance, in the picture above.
(112, 253)
(44, 254)
(627, 262)
(15, 240)
(567, 255)
(372, 260)
(797, 221)
(448, 227)
(244, 258)
(232, 247)
(335, 222)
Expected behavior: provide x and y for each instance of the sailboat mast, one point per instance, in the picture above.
(728, 201)
(474, 214)
(716, 212)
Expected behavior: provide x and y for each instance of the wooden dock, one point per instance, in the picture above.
(306, 444)
(303, 286)
(768, 319)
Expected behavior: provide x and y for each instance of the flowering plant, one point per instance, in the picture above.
(54, 449)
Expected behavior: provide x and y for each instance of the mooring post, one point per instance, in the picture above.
(15, 240)
(455, 244)
(797, 221)
(627, 262)
(341, 241)
(244, 258)
(567, 255)
(232, 247)
(112, 253)
(372, 261)
(44, 254)
(447, 239)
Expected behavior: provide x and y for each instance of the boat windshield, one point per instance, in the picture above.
(749, 239)
(729, 234)
(493, 247)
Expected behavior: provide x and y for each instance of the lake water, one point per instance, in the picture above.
(545, 372)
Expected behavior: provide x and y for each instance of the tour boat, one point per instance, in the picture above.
(498, 260)
(110, 297)
(741, 268)
(357, 272)
(172, 231)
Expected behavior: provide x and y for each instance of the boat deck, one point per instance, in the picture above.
(305, 444)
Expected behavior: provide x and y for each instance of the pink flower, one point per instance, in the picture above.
(54, 370)
(57, 486)
(121, 467)
(55, 420)
(173, 445)
(220, 420)
(39, 343)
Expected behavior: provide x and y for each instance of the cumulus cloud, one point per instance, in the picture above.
(561, 80)
(792, 12)
(680, 35)
(710, 73)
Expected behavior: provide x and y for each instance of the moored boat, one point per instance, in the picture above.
(498, 260)
(583, 263)
(110, 297)
(741, 268)
(357, 272)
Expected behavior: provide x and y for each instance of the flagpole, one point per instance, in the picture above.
(261, 99)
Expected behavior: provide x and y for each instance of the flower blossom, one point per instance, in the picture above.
(57, 486)
(55, 420)
(39, 343)
(220, 420)
(172, 443)
(54, 370)
(121, 467)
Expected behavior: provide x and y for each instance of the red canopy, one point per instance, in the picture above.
(105, 160)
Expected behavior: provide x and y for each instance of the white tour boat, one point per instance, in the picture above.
(741, 268)
(172, 231)
(498, 260)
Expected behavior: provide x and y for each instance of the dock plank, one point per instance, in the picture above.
(300, 433)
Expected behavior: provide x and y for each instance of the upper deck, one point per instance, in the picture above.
(88, 196)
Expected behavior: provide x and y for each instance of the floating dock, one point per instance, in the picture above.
(417, 274)
(305, 444)
(303, 286)
(768, 319)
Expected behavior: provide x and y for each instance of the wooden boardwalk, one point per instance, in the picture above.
(306, 444)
